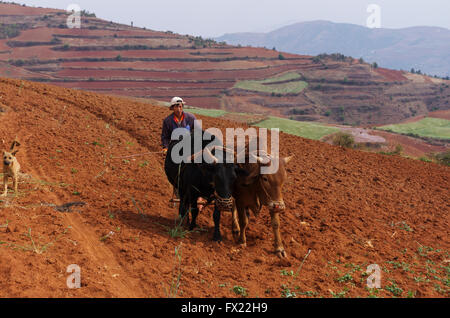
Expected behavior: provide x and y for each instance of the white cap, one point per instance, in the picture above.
(176, 100)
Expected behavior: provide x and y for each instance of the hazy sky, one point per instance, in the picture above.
(210, 18)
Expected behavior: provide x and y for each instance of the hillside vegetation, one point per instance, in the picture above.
(296, 128)
(279, 85)
(428, 127)
(111, 58)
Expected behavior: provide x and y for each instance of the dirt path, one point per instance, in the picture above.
(116, 280)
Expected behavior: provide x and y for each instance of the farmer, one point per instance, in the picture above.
(178, 119)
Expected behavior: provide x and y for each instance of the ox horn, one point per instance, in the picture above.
(265, 159)
(222, 148)
(287, 159)
(207, 153)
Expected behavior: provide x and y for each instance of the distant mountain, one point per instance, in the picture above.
(422, 48)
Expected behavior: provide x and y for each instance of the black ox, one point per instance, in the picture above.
(211, 181)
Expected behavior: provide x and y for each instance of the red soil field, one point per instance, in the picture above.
(15, 9)
(174, 65)
(413, 147)
(144, 85)
(3, 47)
(348, 208)
(46, 53)
(131, 32)
(203, 102)
(16, 72)
(391, 75)
(167, 94)
(444, 114)
(230, 75)
(86, 32)
(36, 35)
(120, 41)
(173, 76)
(89, 37)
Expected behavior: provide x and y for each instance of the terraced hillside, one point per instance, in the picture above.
(106, 57)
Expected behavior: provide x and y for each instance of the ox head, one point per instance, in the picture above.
(268, 186)
(223, 174)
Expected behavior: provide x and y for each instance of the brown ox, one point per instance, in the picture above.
(254, 191)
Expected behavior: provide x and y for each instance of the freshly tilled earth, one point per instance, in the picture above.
(346, 210)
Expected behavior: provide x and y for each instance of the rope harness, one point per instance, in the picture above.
(224, 204)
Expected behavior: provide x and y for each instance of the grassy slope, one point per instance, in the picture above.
(298, 128)
(206, 112)
(273, 85)
(427, 127)
(293, 127)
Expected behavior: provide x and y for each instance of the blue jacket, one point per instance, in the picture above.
(170, 124)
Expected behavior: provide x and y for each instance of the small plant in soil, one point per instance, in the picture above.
(287, 293)
(174, 286)
(340, 294)
(38, 248)
(239, 290)
(394, 289)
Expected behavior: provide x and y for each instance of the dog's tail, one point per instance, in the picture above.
(14, 145)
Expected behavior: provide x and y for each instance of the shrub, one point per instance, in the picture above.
(344, 140)
(85, 13)
(18, 63)
(281, 57)
(443, 158)
(425, 159)
(398, 150)
(8, 31)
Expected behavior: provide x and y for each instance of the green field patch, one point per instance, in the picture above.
(284, 84)
(427, 127)
(298, 128)
(206, 112)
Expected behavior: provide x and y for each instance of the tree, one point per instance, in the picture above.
(344, 140)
